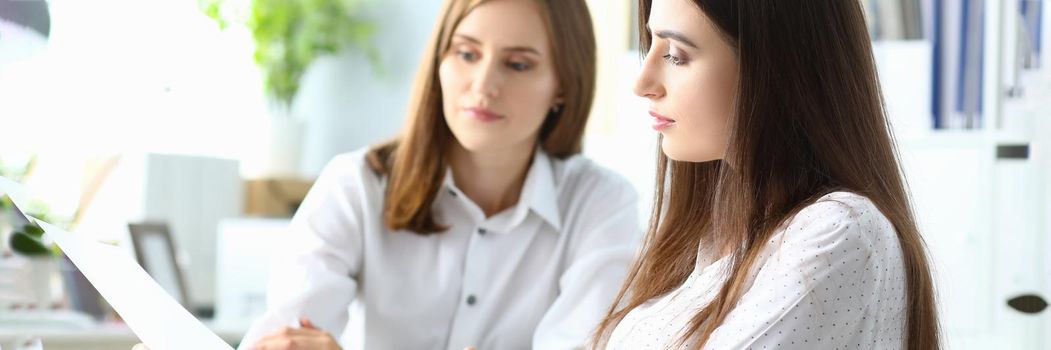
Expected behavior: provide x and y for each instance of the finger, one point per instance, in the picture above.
(282, 343)
(287, 333)
(274, 335)
(305, 323)
(297, 342)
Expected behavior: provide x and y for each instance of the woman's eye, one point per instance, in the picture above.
(519, 66)
(674, 60)
(467, 56)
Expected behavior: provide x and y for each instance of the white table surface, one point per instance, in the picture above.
(108, 336)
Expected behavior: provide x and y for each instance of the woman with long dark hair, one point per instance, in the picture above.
(781, 218)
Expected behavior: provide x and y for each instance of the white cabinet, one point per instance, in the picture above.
(192, 194)
(982, 219)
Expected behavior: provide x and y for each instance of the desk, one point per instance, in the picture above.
(109, 336)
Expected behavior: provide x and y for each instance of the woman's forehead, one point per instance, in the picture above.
(505, 24)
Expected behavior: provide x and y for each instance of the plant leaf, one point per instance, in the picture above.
(33, 230)
(28, 245)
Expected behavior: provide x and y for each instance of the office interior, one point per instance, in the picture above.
(148, 125)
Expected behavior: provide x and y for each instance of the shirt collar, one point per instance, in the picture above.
(539, 192)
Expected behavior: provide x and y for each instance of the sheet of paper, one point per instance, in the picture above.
(155, 317)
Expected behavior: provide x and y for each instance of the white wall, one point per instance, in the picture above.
(123, 75)
(347, 103)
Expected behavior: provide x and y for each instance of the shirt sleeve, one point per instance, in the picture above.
(606, 237)
(313, 273)
(813, 289)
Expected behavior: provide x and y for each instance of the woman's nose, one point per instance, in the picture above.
(647, 84)
(487, 79)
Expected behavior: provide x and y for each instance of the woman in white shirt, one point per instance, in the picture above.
(785, 222)
(480, 225)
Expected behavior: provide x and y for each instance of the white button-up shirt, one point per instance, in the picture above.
(832, 278)
(538, 275)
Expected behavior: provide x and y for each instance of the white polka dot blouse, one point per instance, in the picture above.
(831, 278)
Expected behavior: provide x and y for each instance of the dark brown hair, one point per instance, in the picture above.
(808, 120)
(415, 162)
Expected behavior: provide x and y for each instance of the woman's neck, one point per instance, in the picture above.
(492, 179)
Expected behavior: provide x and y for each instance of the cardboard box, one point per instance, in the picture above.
(275, 197)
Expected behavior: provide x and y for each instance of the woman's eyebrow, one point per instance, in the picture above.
(674, 35)
(468, 38)
(521, 49)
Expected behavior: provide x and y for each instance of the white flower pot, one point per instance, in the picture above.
(284, 145)
(5, 231)
(29, 282)
(43, 278)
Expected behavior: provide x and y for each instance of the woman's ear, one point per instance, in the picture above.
(559, 99)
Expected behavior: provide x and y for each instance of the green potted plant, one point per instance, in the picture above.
(16, 174)
(36, 262)
(30, 263)
(288, 37)
(32, 266)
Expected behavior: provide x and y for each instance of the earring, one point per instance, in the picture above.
(556, 109)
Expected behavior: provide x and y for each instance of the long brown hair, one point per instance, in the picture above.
(415, 162)
(808, 120)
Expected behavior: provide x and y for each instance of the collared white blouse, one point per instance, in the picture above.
(832, 278)
(539, 275)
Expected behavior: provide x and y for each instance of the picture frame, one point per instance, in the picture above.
(156, 252)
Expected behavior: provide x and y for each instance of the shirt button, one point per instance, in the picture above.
(482, 231)
(471, 300)
(453, 193)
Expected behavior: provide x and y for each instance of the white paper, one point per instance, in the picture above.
(159, 321)
(155, 317)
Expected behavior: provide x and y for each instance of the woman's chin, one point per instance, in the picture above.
(682, 153)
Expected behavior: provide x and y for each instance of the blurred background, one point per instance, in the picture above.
(187, 132)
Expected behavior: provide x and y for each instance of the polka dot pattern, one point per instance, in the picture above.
(831, 278)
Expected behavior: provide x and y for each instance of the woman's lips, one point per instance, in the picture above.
(661, 122)
(482, 114)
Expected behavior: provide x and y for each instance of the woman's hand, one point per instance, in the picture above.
(306, 337)
(306, 323)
